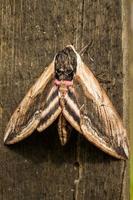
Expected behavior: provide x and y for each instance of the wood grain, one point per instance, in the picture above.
(31, 33)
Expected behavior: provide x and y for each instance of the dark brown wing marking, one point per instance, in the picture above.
(51, 110)
(29, 113)
(71, 109)
(99, 122)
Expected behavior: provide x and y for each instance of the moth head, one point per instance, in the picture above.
(65, 64)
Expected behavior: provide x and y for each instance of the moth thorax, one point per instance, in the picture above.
(62, 92)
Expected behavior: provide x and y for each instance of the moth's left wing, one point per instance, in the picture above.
(99, 121)
(39, 108)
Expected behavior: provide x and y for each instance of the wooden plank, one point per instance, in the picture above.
(31, 33)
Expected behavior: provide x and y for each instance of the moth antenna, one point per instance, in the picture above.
(85, 48)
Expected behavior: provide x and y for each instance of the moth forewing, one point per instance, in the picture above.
(27, 116)
(100, 123)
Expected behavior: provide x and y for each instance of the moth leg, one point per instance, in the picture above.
(64, 130)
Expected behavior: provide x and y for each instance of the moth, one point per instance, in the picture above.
(68, 90)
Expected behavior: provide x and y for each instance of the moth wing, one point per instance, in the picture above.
(71, 110)
(99, 121)
(35, 109)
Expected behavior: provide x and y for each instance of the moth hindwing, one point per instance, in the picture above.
(68, 89)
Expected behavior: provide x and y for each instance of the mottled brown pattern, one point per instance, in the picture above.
(32, 31)
(84, 104)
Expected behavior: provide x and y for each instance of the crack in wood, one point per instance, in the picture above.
(79, 169)
(123, 179)
(77, 181)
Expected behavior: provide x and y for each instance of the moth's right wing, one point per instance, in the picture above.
(39, 108)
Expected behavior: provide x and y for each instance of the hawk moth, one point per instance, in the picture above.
(68, 90)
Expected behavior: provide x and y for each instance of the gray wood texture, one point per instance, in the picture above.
(31, 32)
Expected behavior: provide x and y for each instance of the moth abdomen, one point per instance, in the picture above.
(64, 130)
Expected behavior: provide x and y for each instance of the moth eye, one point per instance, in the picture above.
(59, 71)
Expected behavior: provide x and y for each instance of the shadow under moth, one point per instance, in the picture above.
(68, 90)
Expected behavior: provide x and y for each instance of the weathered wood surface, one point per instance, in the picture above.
(31, 33)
